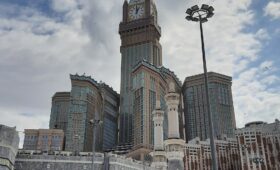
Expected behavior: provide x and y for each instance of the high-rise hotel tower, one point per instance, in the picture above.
(140, 34)
(221, 105)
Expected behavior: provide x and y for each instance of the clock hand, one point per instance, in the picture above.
(137, 9)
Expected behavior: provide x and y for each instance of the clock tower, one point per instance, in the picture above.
(140, 34)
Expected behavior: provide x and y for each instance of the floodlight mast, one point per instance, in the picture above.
(94, 123)
(201, 14)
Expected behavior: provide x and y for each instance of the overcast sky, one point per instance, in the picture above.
(43, 41)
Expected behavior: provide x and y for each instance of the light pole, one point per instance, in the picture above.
(94, 123)
(77, 142)
(200, 15)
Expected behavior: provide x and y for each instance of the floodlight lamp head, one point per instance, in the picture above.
(204, 20)
(189, 11)
(210, 14)
(195, 8)
(200, 14)
(189, 18)
(211, 9)
(195, 19)
(204, 7)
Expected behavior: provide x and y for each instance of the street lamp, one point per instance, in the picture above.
(200, 15)
(94, 123)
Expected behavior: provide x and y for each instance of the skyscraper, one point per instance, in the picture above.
(110, 116)
(85, 105)
(150, 84)
(140, 34)
(59, 112)
(91, 100)
(221, 104)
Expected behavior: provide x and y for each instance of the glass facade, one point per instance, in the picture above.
(89, 101)
(85, 105)
(30, 142)
(152, 106)
(221, 106)
(110, 113)
(150, 84)
(59, 111)
(140, 41)
(110, 133)
(138, 128)
(130, 57)
(164, 108)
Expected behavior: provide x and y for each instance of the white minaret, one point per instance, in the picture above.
(158, 117)
(174, 146)
(159, 155)
(172, 101)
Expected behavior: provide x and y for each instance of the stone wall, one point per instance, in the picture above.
(60, 162)
(9, 140)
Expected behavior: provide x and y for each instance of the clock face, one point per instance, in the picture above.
(136, 12)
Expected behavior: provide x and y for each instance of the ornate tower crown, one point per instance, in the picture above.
(136, 1)
(139, 9)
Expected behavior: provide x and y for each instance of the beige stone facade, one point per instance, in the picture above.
(150, 84)
(148, 87)
(43, 139)
(198, 154)
(259, 146)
